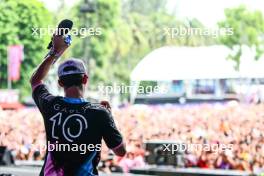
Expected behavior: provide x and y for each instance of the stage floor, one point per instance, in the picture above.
(34, 171)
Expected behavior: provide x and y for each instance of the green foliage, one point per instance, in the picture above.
(248, 29)
(128, 34)
(129, 30)
(17, 18)
(98, 50)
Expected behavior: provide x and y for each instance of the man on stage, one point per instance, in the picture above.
(71, 122)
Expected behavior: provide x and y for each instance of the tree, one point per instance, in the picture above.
(97, 50)
(128, 34)
(248, 29)
(17, 18)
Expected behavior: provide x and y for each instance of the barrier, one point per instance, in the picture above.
(172, 171)
(33, 171)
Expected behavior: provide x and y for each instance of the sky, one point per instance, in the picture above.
(209, 12)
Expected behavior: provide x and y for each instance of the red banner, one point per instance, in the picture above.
(15, 56)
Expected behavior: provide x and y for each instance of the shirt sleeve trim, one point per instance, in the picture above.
(36, 85)
(118, 146)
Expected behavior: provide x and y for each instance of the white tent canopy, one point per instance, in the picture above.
(208, 62)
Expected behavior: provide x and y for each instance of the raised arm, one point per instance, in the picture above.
(59, 46)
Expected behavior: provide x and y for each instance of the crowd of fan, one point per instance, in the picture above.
(237, 125)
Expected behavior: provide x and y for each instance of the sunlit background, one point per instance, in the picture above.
(174, 71)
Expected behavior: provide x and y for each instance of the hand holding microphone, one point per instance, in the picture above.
(63, 28)
(59, 45)
(60, 41)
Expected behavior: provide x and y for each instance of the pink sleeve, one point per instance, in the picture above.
(120, 145)
(34, 86)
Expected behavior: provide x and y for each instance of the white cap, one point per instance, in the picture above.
(71, 66)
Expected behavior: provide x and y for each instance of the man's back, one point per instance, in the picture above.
(72, 123)
(74, 129)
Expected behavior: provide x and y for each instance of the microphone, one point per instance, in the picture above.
(63, 28)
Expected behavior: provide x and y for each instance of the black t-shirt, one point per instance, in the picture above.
(74, 131)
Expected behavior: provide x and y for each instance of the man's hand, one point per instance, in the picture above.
(106, 105)
(59, 45)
